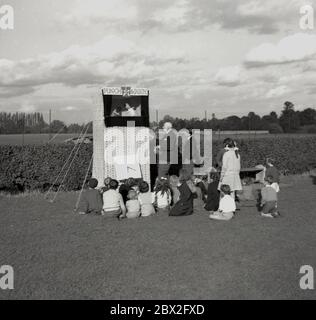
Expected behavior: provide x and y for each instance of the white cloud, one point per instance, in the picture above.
(174, 16)
(112, 60)
(277, 92)
(229, 76)
(85, 13)
(71, 108)
(263, 17)
(293, 48)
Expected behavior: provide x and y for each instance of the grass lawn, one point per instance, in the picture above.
(59, 255)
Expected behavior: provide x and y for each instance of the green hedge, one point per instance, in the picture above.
(36, 167)
(293, 155)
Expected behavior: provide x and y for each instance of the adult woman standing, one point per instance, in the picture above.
(230, 173)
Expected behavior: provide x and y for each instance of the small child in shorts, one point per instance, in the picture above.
(132, 205)
(227, 205)
(145, 200)
(269, 199)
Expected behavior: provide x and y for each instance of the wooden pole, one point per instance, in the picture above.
(23, 129)
(50, 122)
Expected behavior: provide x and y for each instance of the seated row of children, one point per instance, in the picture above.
(175, 196)
(133, 199)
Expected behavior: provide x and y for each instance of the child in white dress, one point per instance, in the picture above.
(227, 206)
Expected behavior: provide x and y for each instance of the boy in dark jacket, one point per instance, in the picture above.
(213, 195)
(91, 201)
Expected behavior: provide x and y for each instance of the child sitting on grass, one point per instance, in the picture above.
(227, 206)
(91, 201)
(187, 189)
(129, 184)
(132, 205)
(212, 199)
(199, 194)
(162, 196)
(269, 199)
(113, 204)
(201, 186)
(174, 182)
(145, 200)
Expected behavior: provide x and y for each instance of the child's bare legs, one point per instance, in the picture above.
(269, 209)
(132, 215)
(221, 215)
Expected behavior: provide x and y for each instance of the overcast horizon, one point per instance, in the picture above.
(226, 57)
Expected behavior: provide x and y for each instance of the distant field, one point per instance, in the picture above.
(42, 138)
(17, 139)
(252, 136)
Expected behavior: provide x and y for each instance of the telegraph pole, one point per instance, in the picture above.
(50, 122)
(23, 134)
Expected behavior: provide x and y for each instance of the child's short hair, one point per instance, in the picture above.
(93, 183)
(269, 160)
(214, 175)
(184, 175)
(143, 187)
(225, 188)
(269, 179)
(174, 180)
(107, 181)
(113, 184)
(131, 182)
(204, 178)
(132, 195)
(247, 181)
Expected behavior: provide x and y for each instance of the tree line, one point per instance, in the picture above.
(21, 122)
(289, 121)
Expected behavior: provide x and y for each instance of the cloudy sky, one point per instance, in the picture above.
(226, 57)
